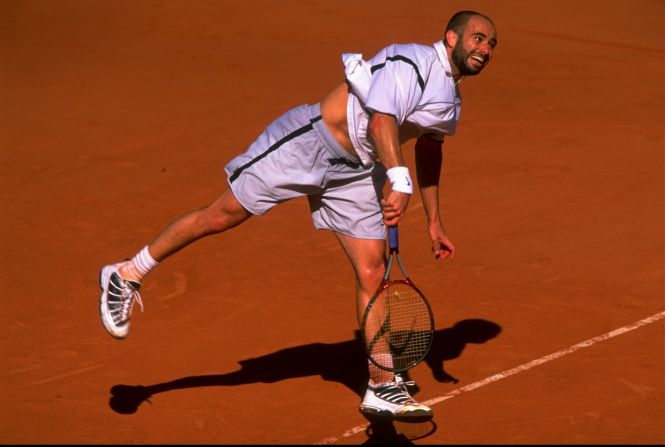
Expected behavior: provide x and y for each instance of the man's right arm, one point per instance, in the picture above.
(384, 133)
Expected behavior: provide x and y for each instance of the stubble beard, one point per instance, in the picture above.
(460, 57)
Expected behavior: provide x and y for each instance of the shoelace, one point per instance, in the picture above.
(402, 384)
(391, 391)
(129, 296)
(399, 380)
(402, 387)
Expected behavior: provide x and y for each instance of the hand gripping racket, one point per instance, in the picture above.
(398, 325)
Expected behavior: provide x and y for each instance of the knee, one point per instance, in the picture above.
(212, 221)
(370, 276)
(222, 215)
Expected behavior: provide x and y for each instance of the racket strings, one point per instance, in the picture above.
(401, 330)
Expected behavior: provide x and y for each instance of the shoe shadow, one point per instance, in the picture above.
(382, 431)
(344, 362)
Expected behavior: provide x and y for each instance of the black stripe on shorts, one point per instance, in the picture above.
(274, 147)
(421, 82)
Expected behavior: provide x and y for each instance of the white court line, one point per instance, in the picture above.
(510, 372)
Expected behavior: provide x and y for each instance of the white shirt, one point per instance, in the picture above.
(412, 82)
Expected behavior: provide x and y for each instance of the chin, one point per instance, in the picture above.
(473, 71)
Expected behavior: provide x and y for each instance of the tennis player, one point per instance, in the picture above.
(339, 153)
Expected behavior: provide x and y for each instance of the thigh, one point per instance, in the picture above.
(367, 257)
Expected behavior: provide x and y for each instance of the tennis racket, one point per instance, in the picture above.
(397, 325)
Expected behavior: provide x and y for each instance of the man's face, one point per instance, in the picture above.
(474, 47)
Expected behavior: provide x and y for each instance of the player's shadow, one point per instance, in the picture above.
(344, 362)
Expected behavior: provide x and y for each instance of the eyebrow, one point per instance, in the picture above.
(492, 41)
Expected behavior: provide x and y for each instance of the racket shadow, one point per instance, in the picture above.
(343, 362)
(449, 343)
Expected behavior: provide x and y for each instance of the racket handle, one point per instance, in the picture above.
(393, 238)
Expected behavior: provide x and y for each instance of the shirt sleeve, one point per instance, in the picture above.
(396, 87)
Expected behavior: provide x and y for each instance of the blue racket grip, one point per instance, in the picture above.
(393, 238)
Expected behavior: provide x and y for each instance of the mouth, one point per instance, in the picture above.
(478, 60)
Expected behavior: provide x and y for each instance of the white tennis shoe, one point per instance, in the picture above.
(392, 399)
(117, 301)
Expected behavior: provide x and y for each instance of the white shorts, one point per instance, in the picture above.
(297, 156)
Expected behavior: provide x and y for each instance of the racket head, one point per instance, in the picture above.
(397, 326)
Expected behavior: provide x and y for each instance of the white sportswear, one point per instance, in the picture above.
(412, 82)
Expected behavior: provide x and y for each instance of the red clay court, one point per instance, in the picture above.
(118, 116)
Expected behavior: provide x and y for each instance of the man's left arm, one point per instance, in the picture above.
(429, 159)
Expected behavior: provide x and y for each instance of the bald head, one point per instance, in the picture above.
(459, 20)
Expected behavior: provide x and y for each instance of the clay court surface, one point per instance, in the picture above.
(117, 116)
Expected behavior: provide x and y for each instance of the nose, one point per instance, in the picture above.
(486, 50)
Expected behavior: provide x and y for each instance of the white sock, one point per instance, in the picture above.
(378, 375)
(143, 263)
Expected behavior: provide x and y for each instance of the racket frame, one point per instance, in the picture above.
(386, 282)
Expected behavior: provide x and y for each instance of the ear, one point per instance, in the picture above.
(451, 38)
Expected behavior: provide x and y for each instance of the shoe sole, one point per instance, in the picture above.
(373, 412)
(104, 279)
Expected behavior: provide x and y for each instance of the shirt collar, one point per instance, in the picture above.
(443, 57)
